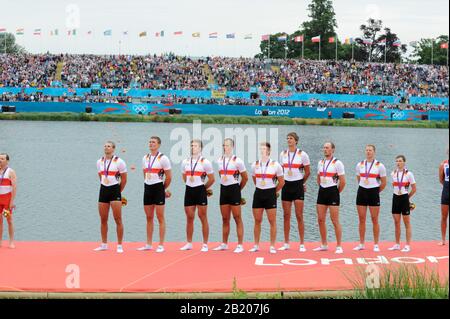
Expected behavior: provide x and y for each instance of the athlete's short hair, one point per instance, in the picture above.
(332, 144)
(294, 136)
(266, 144)
(6, 155)
(229, 139)
(156, 138)
(197, 141)
(402, 157)
(372, 146)
(112, 143)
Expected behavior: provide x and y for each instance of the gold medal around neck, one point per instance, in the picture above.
(105, 180)
(263, 183)
(366, 181)
(192, 179)
(225, 178)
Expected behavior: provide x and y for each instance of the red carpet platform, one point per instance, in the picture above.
(75, 267)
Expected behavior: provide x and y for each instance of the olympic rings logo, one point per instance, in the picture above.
(397, 115)
(140, 108)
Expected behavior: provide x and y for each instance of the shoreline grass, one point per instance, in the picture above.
(217, 119)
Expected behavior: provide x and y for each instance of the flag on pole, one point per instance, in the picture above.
(107, 32)
(178, 33)
(349, 41)
(282, 38)
(72, 32)
(196, 35)
(331, 40)
(37, 32)
(143, 34)
(397, 43)
(54, 32)
(159, 34)
(248, 37)
(444, 45)
(2, 30)
(315, 39)
(213, 35)
(265, 37)
(231, 36)
(299, 38)
(20, 31)
(368, 41)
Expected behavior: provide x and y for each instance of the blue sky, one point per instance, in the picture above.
(410, 19)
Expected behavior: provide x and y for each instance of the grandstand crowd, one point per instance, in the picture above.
(171, 72)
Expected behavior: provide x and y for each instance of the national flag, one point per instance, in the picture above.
(107, 32)
(231, 35)
(72, 32)
(299, 38)
(143, 34)
(2, 30)
(54, 32)
(248, 37)
(444, 45)
(349, 41)
(37, 32)
(282, 38)
(178, 33)
(20, 31)
(315, 39)
(265, 37)
(368, 41)
(159, 34)
(397, 43)
(213, 35)
(331, 40)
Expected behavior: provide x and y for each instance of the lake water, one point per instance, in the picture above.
(58, 184)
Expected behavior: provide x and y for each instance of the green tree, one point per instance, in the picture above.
(375, 51)
(8, 44)
(422, 51)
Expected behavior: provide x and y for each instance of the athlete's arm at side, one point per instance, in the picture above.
(13, 178)
(211, 180)
(244, 180)
(123, 181)
(441, 174)
(280, 184)
(168, 178)
(307, 173)
(413, 190)
(342, 183)
(383, 183)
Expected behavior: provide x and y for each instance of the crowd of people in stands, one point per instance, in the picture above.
(171, 72)
(179, 100)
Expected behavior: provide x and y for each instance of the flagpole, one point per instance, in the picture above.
(286, 48)
(303, 47)
(432, 58)
(320, 40)
(385, 50)
(353, 50)
(269, 48)
(336, 47)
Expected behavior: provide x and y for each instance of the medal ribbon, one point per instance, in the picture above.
(290, 162)
(150, 166)
(265, 170)
(368, 172)
(193, 169)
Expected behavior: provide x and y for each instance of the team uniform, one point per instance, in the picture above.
(110, 171)
(401, 182)
(293, 164)
(154, 168)
(370, 174)
(196, 172)
(266, 178)
(229, 170)
(445, 190)
(5, 190)
(329, 172)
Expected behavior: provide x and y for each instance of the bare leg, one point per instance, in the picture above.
(362, 214)
(397, 220)
(117, 213)
(239, 224)
(299, 204)
(321, 220)
(202, 214)
(334, 213)
(287, 209)
(257, 215)
(150, 214)
(11, 231)
(407, 222)
(374, 213)
(225, 210)
(272, 217)
(190, 215)
(444, 221)
(162, 223)
(103, 209)
(1, 227)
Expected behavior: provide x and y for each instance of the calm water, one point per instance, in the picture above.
(58, 186)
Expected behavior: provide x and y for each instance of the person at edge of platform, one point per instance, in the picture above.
(331, 181)
(296, 168)
(231, 168)
(195, 171)
(157, 172)
(112, 173)
(268, 178)
(444, 180)
(402, 181)
(371, 178)
(8, 189)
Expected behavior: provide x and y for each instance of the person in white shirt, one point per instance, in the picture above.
(157, 172)
(296, 168)
(371, 178)
(231, 168)
(404, 187)
(444, 180)
(331, 181)
(195, 171)
(112, 173)
(268, 178)
(8, 190)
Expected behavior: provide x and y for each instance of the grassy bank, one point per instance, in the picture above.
(217, 119)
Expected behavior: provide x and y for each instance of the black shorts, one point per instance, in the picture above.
(154, 194)
(368, 196)
(109, 194)
(230, 195)
(195, 196)
(293, 191)
(400, 204)
(445, 195)
(329, 196)
(265, 198)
